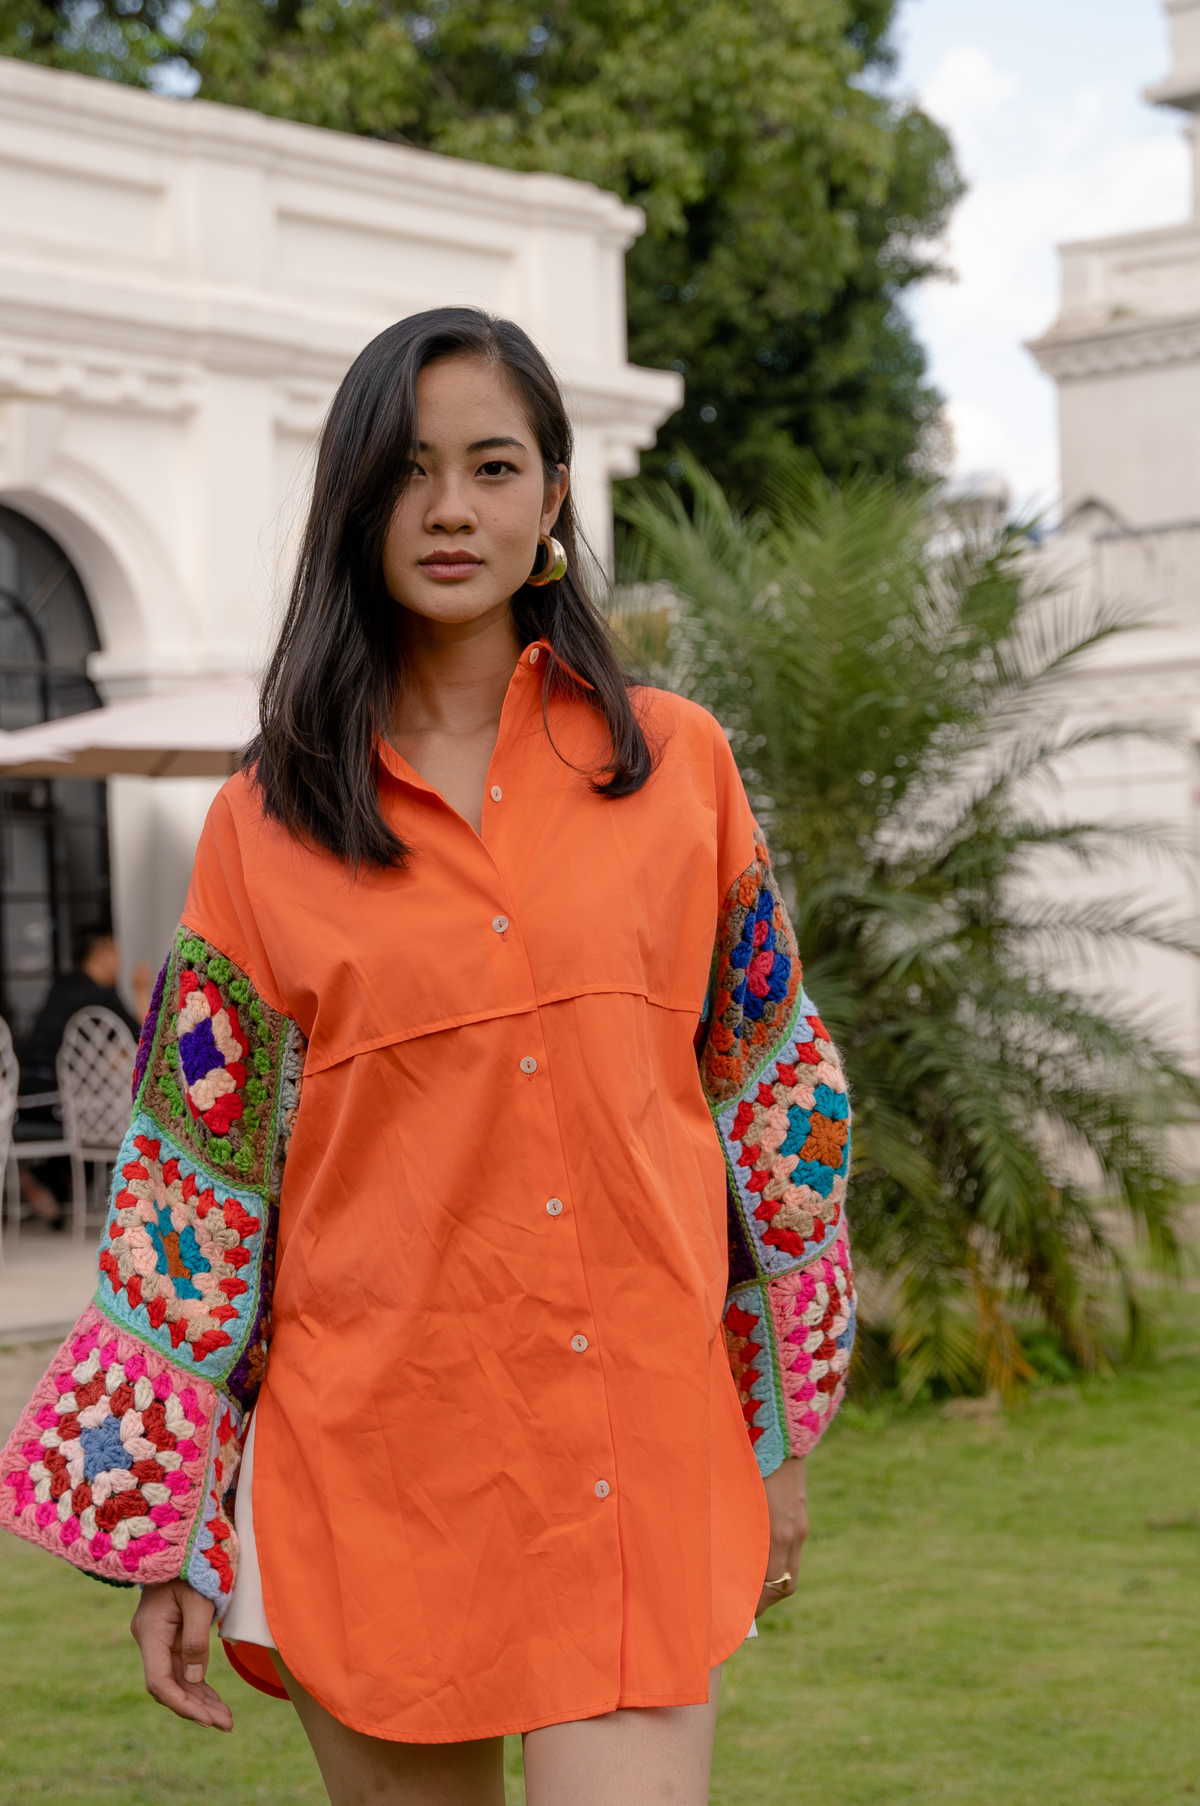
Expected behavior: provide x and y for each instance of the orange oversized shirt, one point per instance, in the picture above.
(502, 1477)
(505, 1458)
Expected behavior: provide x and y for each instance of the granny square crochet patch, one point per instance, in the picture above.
(212, 1561)
(789, 1348)
(182, 1254)
(112, 1461)
(756, 981)
(788, 1146)
(214, 1055)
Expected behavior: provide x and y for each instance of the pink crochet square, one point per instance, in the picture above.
(107, 1463)
(811, 1311)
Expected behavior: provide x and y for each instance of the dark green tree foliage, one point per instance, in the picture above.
(789, 201)
(894, 694)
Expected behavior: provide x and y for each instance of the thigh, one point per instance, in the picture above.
(647, 1756)
(357, 1769)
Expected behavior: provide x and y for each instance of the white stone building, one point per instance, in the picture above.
(1125, 353)
(182, 285)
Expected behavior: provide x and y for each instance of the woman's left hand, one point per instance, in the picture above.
(787, 1502)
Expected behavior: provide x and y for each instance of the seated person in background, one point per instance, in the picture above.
(92, 981)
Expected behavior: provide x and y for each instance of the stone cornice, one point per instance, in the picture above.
(1067, 355)
(163, 372)
(1182, 91)
(237, 334)
(134, 121)
(628, 404)
(131, 385)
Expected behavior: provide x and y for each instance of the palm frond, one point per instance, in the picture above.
(904, 706)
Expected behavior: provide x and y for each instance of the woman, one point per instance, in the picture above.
(455, 938)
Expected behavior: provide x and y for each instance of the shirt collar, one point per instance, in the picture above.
(535, 661)
(540, 653)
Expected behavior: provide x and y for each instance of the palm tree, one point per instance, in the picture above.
(895, 692)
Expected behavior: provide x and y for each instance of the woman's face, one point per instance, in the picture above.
(463, 537)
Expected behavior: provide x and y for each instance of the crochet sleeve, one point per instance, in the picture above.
(125, 1458)
(775, 1086)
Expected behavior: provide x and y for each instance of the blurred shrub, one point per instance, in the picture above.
(894, 688)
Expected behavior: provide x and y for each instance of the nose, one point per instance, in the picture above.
(448, 508)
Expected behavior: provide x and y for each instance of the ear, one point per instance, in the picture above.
(556, 495)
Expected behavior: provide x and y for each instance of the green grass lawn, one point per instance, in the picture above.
(1002, 1612)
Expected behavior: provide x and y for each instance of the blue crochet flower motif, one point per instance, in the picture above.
(765, 966)
(103, 1449)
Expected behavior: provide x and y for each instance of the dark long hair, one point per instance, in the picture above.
(330, 687)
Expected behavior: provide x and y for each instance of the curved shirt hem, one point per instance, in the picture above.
(508, 1728)
(518, 1727)
(472, 1733)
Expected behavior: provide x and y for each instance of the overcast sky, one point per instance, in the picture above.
(1043, 101)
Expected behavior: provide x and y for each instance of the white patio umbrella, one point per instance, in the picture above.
(192, 732)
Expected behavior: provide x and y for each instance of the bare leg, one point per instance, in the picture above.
(636, 1757)
(370, 1771)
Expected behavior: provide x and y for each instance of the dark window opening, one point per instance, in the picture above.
(54, 866)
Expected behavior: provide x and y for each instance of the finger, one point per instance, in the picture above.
(207, 1699)
(193, 1642)
(158, 1626)
(188, 1702)
(162, 1682)
(782, 1559)
(192, 1659)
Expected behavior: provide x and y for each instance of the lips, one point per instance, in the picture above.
(447, 566)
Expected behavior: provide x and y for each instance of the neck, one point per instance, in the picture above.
(456, 673)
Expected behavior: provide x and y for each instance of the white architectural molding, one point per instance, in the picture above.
(34, 372)
(1140, 345)
(1125, 353)
(1182, 87)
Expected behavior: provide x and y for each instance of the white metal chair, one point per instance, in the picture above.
(48, 1148)
(95, 1072)
(10, 1080)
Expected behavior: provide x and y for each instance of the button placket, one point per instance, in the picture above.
(591, 1374)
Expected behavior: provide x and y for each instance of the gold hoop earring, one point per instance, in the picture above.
(555, 567)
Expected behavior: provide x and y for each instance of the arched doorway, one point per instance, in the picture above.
(54, 870)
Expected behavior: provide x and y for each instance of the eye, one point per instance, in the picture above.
(495, 467)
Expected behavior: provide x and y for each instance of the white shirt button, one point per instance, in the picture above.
(602, 1489)
(529, 1064)
(579, 1343)
(497, 793)
(499, 923)
(554, 1207)
(535, 655)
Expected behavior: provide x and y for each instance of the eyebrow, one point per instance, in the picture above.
(482, 445)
